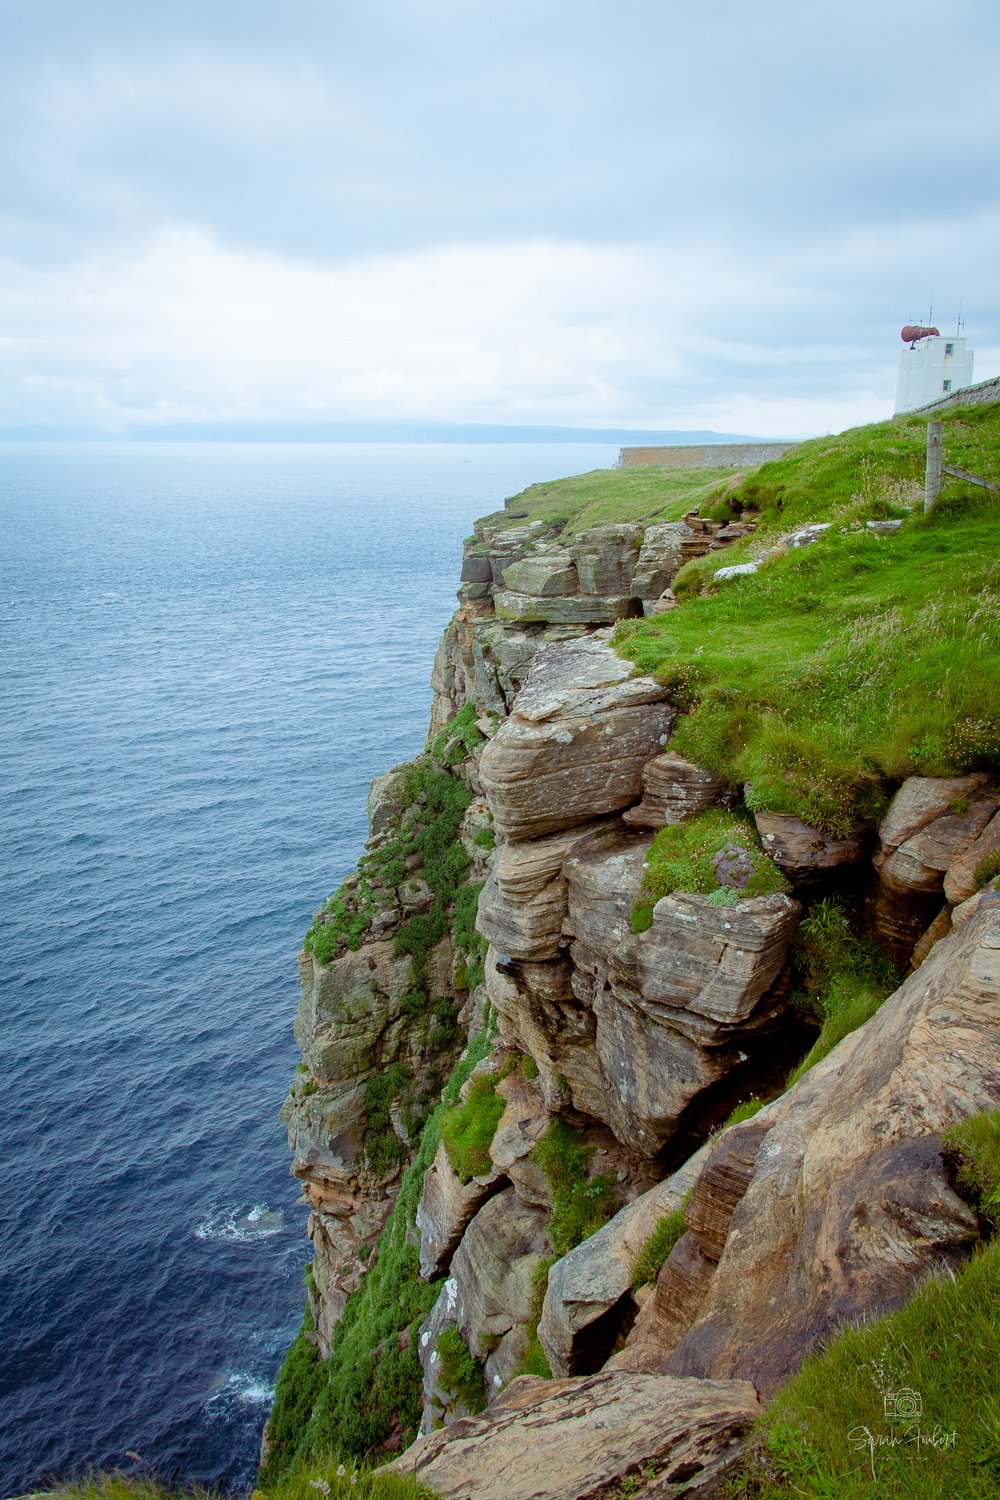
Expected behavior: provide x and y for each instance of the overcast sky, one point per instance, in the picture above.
(641, 213)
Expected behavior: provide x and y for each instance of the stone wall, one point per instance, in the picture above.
(704, 456)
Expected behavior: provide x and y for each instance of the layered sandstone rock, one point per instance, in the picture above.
(588, 1302)
(584, 1439)
(673, 790)
(934, 825)
(576, 741)
(848, 1204)
(804, 853)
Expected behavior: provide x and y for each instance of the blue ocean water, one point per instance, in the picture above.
(206, 653)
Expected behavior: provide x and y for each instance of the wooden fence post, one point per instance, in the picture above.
(932, 477)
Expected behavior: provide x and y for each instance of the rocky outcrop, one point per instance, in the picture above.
(673, 790)
(589, 1300)
(931, 840)
(584, 1439)
(848, 1202)
(574, 746)
(805, 853)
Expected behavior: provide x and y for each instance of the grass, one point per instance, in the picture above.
(580, 1203)
(906, 1406)
(305, 1481)
(468, 1129)
(842, 978)
(651, 1258)
(458, 1372)
(973, 1149)
(686, 857)
(535, 1360)
(612, 495)
(368, 1389)
(843, 667)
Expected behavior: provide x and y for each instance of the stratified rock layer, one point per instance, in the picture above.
(581, 1439)
(848, 1203)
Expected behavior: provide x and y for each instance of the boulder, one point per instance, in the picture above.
(674, 1008)
(849, 1202)
(543, 574)
(922, 799)
(804, 852)
(446, 1208)
(960, 876)
(523, 904)
(673, 790)
(660, 560)
(574, 746)
(586, 1439)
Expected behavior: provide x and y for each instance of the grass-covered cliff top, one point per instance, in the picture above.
(608, 495)
(842, 667)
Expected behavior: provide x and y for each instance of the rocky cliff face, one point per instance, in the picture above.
(620, 1044)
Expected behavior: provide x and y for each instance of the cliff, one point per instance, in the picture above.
(616, 1099)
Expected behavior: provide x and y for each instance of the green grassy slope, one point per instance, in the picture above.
(606, 495)
(842, 667)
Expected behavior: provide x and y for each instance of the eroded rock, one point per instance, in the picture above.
(581, 1439)
(849, 1203)
(576, 741)
(673, 791)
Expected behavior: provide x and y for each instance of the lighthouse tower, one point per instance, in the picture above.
(930, 367)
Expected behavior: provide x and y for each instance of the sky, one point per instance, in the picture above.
(639, 214)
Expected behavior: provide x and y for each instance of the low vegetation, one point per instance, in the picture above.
(613, 495)
(842, 667)
(344, 1409)
(698, 855)
(973, 1150)
(652, 1257)
(468, 1129)
(905, 1405)
(842, 977)
(459, 1373)
(312, 1481)
(580, 1203)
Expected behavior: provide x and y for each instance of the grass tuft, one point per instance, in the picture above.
(652, 1257)
(691, 856)
(468, 1129)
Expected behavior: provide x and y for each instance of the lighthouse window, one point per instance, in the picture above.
(949, 348)
(946, 385)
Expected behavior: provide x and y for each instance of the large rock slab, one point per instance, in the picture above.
(492, 1269)
(523, 905)
(849, 1203)
(574, 746)
(587, 1300)
(582, 1439)
(661, 558)
(591, 609)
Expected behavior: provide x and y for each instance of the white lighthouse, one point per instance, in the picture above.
(931, 367)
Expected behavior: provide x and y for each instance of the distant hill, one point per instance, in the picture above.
(373, 432)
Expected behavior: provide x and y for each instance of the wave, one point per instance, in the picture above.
(239, 1224)
(239, 1389)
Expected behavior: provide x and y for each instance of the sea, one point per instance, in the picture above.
(206, 653)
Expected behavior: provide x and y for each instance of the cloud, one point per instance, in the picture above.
(651, 214)
(183, 328)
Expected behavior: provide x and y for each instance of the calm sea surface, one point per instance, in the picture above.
(206, 653)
